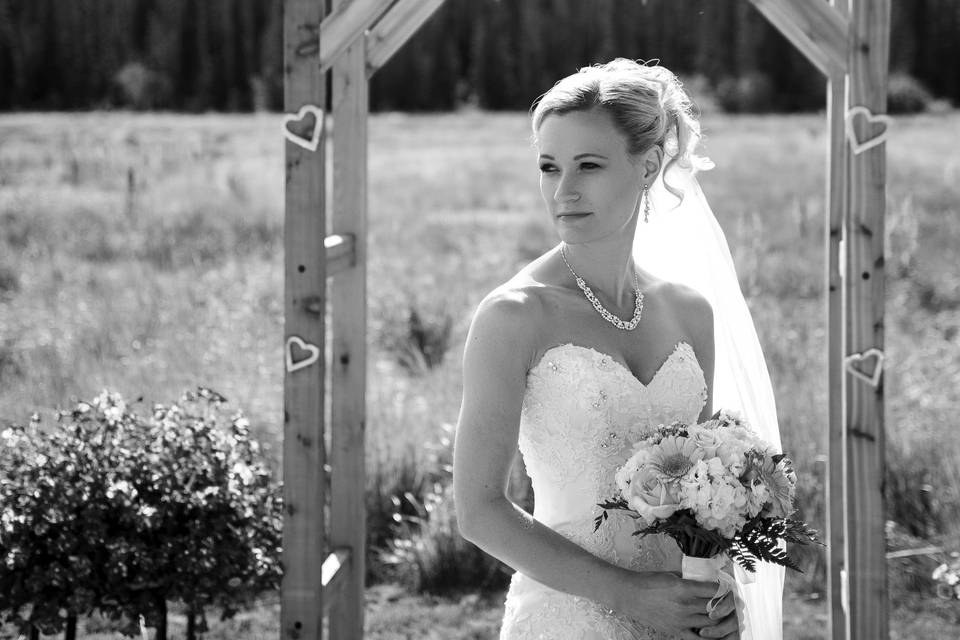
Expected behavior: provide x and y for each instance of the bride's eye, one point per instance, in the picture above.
(589, 165)
(547, 168)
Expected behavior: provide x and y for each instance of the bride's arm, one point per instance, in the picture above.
(698, 316)
(499, 351)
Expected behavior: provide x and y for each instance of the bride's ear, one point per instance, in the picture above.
(651, 163)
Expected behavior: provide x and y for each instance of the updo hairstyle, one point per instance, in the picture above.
(647, 104)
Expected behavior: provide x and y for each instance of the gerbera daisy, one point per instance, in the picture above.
(674, 457)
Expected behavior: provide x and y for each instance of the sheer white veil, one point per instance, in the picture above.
(683, 243)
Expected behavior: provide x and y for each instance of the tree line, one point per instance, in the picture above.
(227, 55)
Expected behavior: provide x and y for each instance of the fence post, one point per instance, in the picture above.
(864, 292)
(304, 484)
(348, 302)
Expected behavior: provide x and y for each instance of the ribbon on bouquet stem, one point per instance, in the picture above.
(718, 569)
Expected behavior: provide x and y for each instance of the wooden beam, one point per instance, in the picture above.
(301, 608)
(348, 311)
(864, 289)
(814, 27)
(341, 251)
(348, 20)
(395, 28)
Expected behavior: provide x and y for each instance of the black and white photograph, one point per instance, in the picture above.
(479, 319)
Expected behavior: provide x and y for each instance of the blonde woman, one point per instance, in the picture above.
(578, 352)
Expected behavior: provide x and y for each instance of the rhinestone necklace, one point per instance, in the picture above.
(609, 317)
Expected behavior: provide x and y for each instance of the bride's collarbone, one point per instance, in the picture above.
(568, 318)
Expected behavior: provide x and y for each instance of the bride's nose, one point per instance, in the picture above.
(566, 191)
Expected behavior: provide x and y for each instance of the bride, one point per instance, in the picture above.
(618, 327)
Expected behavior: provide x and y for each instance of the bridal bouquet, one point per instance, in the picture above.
(714, 487)
(718, 490)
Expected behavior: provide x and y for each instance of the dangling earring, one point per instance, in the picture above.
(646, 203)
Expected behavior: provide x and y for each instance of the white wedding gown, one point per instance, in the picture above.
(582, 412)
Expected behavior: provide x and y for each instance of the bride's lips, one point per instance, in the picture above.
(570, 216)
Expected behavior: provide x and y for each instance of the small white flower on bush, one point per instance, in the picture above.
(948, 577)
(122, 487)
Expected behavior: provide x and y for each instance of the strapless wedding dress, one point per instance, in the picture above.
(582, 412)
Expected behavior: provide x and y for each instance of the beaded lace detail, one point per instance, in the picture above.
(582, 412)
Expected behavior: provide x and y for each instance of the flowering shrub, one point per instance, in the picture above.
(119, 513)
(947, 576)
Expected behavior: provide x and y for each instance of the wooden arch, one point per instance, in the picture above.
(328, 59)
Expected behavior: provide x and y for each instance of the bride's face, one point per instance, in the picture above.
(589, 183)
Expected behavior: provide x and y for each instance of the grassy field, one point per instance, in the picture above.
(395, 614)
(144, 253)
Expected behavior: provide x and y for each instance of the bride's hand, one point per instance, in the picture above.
(675, 606)
(724, 615)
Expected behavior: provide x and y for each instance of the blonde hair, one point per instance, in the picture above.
(647, 104)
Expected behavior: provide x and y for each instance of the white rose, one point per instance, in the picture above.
(649, 497)
(707, 440)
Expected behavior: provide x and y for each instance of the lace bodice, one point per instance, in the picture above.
(582, 412)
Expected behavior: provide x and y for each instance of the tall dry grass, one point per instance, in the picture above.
(144, 253)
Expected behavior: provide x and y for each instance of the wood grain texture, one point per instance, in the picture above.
(304, 280)
(348, 20)
(864, 291)
(396, 27)
(837, 159)
(814, 27)
(348, 304)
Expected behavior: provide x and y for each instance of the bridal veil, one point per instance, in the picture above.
(683, 243)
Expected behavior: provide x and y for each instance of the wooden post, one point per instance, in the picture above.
(864, 289)
(836, 457)
(348, 309)
(312, 563)
(304, 295)
(837, 213)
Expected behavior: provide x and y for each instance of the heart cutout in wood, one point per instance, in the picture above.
(301, 120)
(292, 362)
(882, 120)
(873, 379)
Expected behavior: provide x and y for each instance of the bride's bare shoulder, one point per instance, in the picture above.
(521, 299)
(689, 309)
(514, 313)
(682, 300)
(503, 331)
(514, 305)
